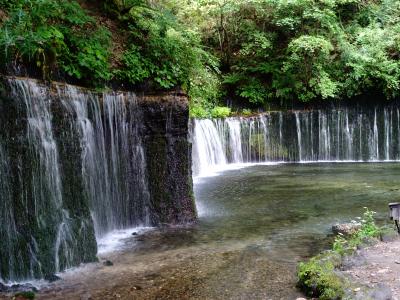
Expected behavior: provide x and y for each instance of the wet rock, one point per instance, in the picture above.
(346, 228)
(108, 263)
(27, 287)
(134, 233)
(17, 288)
(52, 277)
(3, 288)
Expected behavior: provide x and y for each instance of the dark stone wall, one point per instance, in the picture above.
(168, 155)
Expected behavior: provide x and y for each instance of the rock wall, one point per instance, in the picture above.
(76, 164)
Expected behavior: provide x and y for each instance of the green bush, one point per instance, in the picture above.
(25, 295)
(368, 230)
(317, 277)
(247, 112)
(197, 111)
(220, 112)
(55, 34)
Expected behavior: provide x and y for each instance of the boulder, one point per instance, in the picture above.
(346, 228)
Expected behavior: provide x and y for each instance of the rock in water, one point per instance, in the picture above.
(346, 228)
(3, 288)
(108, 263)
(52, 277)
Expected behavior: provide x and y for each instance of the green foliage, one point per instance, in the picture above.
(197, 111)
(162, 50)
(368, 230)
(317, 277)
(247, 112)
(301, 49)
(25, 295)
(55, 34)
(257, 51)
(220, 112)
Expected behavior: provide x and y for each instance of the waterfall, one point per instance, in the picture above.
(112, 157)
(72, 168)
(340, 134)
(208, 150)
(298, 129)
(8, 230)
(47, 206)
(235, 140)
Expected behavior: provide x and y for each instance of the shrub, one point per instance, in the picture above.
(220, 112)
(55, 34)
(318, 279)
(197, 111)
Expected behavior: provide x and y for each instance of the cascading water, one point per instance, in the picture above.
(47, 218)
(113, 162)
(208, 151)
(348, 134)
(72, 165)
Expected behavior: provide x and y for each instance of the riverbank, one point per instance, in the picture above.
(362, 264)
(378, 267)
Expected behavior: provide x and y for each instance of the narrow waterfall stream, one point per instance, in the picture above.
(348, 134)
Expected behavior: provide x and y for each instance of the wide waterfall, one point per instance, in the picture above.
(75, 165)
(341, 134)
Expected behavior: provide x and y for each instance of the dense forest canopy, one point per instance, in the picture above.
(257, 51)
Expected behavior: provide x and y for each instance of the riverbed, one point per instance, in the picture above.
(255, 225)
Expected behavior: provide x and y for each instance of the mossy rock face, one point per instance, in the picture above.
(168, 156)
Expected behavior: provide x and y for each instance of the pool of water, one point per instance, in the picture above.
(292, 207)
(255, 225)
